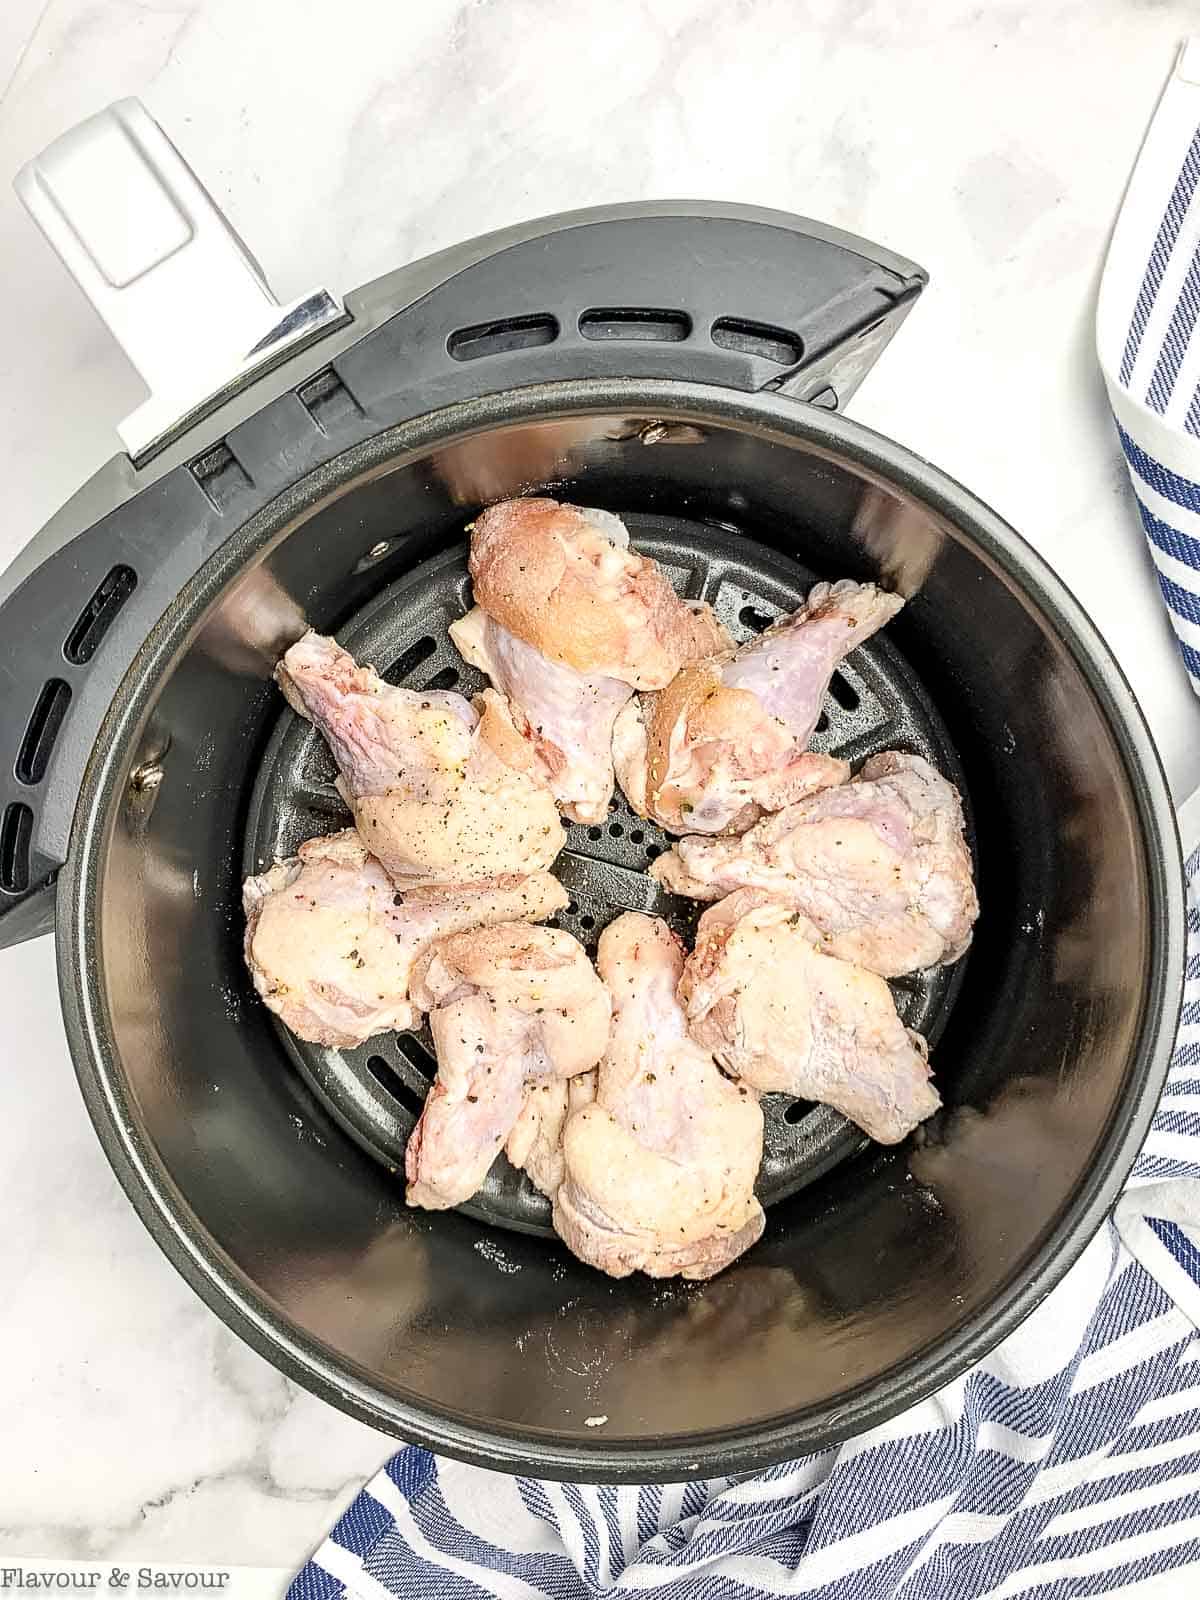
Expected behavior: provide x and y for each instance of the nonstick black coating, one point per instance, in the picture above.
(872, 1285)
(875, 703)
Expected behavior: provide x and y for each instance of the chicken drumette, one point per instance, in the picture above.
(331, 942)
(660, 1167)
(513, 1011)
(442, 791)
(535, 1143)
(779, 1014)
(879, 866)
(568, 622)
(726, 740)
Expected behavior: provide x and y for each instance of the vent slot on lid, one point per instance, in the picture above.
(501, 337)
(328, 401)
(98, 616)
(42, 730)
(16, 832)
(221, 476)
(757, 339)
(636, 322)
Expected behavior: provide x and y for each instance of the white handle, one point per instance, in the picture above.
(151, 250)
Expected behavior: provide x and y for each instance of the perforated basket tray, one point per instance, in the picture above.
(874, 703)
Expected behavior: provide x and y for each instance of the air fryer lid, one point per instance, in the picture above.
(732, 295)
(142, 687)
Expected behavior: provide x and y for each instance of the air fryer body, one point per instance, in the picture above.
(871, 1286)
(677, 364)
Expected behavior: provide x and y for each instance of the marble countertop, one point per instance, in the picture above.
(989, 143)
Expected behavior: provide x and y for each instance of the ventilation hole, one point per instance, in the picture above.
(15, 836)
(635, 322)
(653, 850)
(825, 399)
(415, 1053)
(572, 907)
(797, 1111)
(752, 617)
(615, 830)
(221, 476)
(411, 660)
(637, 837)
(566, 822)
(445, 679)
(843, 693)
(34, 755)
(388, 1078)
(612, 805)
(98, 616)
(327, 400)
(757, 339)
(501, 337)
(822, 723)
(594, 833)
(587, 922)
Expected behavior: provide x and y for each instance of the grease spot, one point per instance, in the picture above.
(493, 1253)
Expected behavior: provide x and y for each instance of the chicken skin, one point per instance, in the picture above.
(441, 791)
(781, 1015)
(568, 622)
(879, 866)
(725, 741)
(660, 1167)
(510, 1008)
(331, 943)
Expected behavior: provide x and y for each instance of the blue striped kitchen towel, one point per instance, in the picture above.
(1148, 340)
(1067, 1463)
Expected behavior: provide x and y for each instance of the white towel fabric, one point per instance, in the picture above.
(1068, 1462)
(1148, 340)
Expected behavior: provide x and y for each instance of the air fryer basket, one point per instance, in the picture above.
(876, 1281)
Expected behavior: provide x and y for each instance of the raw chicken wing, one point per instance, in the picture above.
(330, 941)
(879, 866)
(568, 622)
(442, 792)
(726, 740)
(564, 579)
(565, 716)
(661, 1166)
(511, 1008)
(535, 1143)
(774, 1010)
